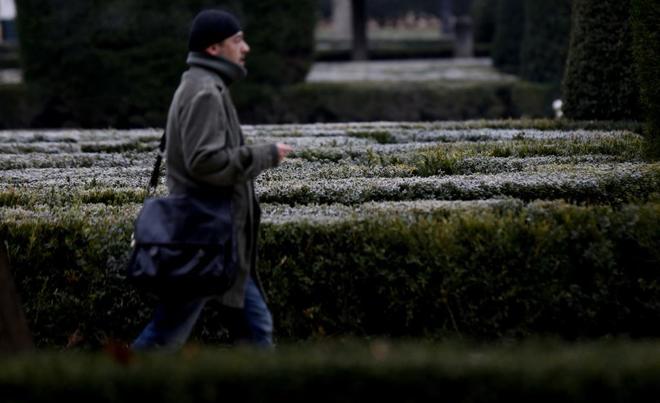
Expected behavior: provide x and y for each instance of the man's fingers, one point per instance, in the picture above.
(283, 150)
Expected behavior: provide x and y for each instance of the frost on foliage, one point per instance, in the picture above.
(530, 185)
(75, 160)
(84, 177)
(332, 213)
(346, 163)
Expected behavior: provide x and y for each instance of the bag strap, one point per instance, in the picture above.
(155, 173)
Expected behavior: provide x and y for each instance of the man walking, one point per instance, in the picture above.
(206, 153)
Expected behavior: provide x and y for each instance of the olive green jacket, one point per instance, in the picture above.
(206, 151)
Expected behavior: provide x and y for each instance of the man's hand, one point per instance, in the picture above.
(282, 151)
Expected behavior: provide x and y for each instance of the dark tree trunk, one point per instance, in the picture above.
(14, 333)
(360, 45)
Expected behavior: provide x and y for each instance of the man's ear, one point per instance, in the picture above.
(214, 50)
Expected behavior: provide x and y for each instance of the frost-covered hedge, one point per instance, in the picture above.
(348, 184)
(614, 186)
(476, 269)
(408, 229)
(346, 163)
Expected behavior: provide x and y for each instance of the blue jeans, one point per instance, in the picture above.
(173, 322)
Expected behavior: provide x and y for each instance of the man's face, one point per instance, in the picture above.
(234, 49)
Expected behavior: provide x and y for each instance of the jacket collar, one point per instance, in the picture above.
(228, 71)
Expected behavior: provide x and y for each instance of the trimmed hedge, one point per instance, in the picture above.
(484, 272)
(367, 102)
(421, 269)
(381, 101)
(613, 371)
(599, 81)
(611, 184)
(509, 31)
(577, 187)
(372, 147)
(447, 145)
(116, 63)
(545, 42)
(646, 33)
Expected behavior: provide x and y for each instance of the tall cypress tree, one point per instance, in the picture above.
(599, 82)
(545, 42)
(646, 32)
(509, 29)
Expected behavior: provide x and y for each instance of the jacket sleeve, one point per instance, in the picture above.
(206, 152)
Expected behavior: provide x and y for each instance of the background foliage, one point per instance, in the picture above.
(117, 63)
(509, 31)
(545, 41)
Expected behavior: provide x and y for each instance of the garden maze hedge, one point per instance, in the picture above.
(485, 230)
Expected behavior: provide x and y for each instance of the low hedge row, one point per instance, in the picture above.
(79, 136)
(332, 155)
(75, 160)
(625, 147)
(427, 164)
(381, 132)
(605, 184)
(70, 148)
(541, 124)
(485, 272)
(356, 136)
(431, 162)
(470, 163)
(355, 141)
(59, 195)
(543, 371)
(617, 187)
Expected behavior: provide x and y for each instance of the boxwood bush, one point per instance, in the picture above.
(481, 270)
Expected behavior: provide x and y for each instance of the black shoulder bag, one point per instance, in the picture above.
(183, 245)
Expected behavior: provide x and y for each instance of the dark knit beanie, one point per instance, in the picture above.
(209, 27)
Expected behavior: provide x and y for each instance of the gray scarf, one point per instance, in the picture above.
(228, 70)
